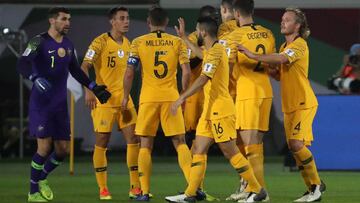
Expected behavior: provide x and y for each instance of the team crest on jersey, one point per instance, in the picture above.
(121, 53)
(61, 52)
(208, 67)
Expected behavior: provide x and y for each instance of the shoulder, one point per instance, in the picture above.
(101, 39)
(141, 38)
(37, 40)
(217, 50)
(172, 37)
(299, 44)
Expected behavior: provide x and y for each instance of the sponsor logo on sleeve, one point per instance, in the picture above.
(27, 52)
(289, 52)
(90, 54)
(208, 67)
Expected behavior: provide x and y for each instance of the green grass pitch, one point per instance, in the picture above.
(167, 179)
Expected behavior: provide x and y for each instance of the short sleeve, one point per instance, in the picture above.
(211, 62)
(95, 49)
(33, 47)
(134, 48)
(294, 51)
(183, 53)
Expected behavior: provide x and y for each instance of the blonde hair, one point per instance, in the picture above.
(304, 30)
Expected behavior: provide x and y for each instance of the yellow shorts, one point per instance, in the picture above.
(150, 114)
(192, 113)
(104, 118)
(253, 114)
(221, 130)
(298, 125)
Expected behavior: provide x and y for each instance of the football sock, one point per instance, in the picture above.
(184, 159)
(100, 166)
(242, 149)
(197, 172)
(255, 155)
(242, 167)
(308, 162)
(302, 172)
(145, 166)
(37, 165)
(51, 163)
(132, 154)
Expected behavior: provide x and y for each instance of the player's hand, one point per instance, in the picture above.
(100, 92)
(124, 103)
(41, 84)
(180, 31)
(175, 106)
(90, 99)
(245, 51)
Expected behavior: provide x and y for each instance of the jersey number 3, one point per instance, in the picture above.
(158, 63)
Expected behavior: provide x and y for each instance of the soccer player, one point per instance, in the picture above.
(108, 55)
(217, 122)
(47, 61)
(254, 92)
(194, 104)
(159, 54)
(299, 102)
(228, 25)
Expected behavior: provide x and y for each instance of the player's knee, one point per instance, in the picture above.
(44, 150)
(295, 145)
(178, 139)
(134, 139)
(62, 150)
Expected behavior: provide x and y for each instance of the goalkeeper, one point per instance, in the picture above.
(47, 61)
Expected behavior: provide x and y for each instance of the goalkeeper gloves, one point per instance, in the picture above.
(41, 84)
(100, 92)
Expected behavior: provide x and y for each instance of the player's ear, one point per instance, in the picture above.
(166, 21)
(51, 21)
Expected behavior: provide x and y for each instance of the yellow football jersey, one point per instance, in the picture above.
(195, 72)
(252, 80)
(109, 60)
(218, 102)
(226, 28)
(159, 54)
(296, 91)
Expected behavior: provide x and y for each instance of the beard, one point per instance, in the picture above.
(63, 31)
(200, 41)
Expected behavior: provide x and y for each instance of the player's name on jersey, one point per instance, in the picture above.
(257, 35)
(159, 42)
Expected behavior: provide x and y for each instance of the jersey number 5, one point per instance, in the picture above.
(258, 67)
(158, 63)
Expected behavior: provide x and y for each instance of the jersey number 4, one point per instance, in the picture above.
(158, 63)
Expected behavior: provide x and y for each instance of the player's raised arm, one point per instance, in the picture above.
(99, 90)
(181, 33)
